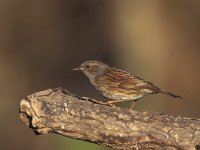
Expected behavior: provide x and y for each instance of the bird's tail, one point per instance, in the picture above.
(170, 94)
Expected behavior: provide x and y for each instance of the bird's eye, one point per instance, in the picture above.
(87, 67)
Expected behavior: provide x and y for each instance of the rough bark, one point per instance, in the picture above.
(58, 111)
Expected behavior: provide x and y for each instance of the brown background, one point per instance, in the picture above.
(42, 41)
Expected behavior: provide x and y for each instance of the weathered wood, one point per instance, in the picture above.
(58, 111)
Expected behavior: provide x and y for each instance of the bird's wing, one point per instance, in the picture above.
(120, 80)
(137, 84)
(111, 77)
(132, 83)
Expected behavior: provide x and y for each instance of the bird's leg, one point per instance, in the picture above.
(132, 106)
(115, 101)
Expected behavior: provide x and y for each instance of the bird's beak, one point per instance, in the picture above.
(77, 69)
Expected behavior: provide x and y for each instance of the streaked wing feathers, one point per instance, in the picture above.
(122, 81)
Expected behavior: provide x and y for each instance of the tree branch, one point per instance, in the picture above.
(58, 111)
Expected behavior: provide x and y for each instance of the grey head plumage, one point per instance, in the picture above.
(92, 69)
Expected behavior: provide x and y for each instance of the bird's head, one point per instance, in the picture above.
(92, 68)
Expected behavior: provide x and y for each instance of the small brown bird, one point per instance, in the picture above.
(118, 85)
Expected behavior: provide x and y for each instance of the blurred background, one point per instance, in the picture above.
(42, 41)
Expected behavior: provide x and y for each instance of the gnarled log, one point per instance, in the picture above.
(58, 111)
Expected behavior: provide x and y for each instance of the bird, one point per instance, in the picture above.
(118, 85)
